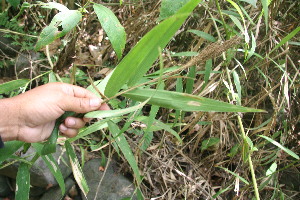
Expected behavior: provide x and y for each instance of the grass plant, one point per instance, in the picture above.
(205, 94)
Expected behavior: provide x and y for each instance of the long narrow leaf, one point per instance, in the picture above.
(170, 7)
(139, 59)
(185, 102)
(286, 38)
(77, 171)
(53, 167)
(23, 182)
(12, 85)
(158, 125)
(113, 113)
(291, 153)
(236, 175)
(9, 148)
(93, 128)
(266, 13)
(125, 148)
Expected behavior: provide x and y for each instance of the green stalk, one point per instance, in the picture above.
(222, 19)
(250, 160)
(244, 140)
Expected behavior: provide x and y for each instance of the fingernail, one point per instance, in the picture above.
(71, 122)
(95, 102)
(63, 127)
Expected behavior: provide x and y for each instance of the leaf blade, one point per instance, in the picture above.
(12, 85)
(77, 171)
(114, 113)
(170, 7)
(139, 59)
(291, 153)
(125, 148)
(23, 182)
(185, 102)
(113, 28)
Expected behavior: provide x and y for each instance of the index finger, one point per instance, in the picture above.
(77, 91)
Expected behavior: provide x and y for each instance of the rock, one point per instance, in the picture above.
(4, 186)
(55, 192)
(34, 191)
(40, 175)
(114, 185)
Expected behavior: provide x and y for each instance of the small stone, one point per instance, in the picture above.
(73, 192)
(40, 174)
(55, 192)
(114, 185)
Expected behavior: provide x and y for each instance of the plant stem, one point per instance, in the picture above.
(222, 18)
(244, 140)
(249, 159)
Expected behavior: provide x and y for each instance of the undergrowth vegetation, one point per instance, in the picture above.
(204, 94)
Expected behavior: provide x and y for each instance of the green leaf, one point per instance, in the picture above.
(47, 36)
(77, 171)
(14, 3)
(209, 143)
(125, 148)
(9, 148)
(185, 53)
(190, 81)
(238, 9)
(203, 35)
(67, 19)
(238, 87)
(12, 85)
(91, 129)
(234, 150)
(236, 175)
(291, 153)
(265, 5)
(111, 25)
(138, 61)
(185, 102)
(207, 72)
(52, 166)
(237, 22)
(23, 182)
(158, 125)
(272, 169)
(286, 38)
(50, 146)
(58, 6)
(252, 2)
(170, 7)
(113, 113)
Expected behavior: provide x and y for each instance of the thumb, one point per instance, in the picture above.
(81, 105)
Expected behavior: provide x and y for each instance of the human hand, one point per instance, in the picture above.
(30, 117)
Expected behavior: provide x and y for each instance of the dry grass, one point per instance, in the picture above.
(185, 172)
(173, 171)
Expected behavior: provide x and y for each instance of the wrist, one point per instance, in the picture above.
(8, 119)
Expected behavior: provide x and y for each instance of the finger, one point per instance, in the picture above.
(73, 122)
(68, 132)
(104, 106)
(80, 105)
(77, 91)
(86, 120)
